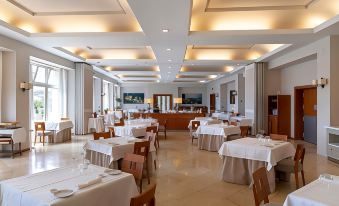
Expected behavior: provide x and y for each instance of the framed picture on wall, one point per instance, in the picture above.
(134, 98)
(233, 93)
(192, 98)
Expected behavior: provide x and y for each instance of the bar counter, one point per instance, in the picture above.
(175, 121)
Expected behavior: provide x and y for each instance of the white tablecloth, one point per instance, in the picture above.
(205, 122)
(109, 119)
(18, 135)
(134, 130)
(203, 118)
(218, 129)
(252, 149)
(97, 124)
(147, 122)
(243, 121)
(34, 190)
(222, 116)
(60, 125)
(317, 193)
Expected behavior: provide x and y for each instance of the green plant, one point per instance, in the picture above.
(118, 99)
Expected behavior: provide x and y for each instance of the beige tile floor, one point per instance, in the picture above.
(186, 175)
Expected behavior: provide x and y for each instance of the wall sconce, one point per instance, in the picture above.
(320, 83)
(25, 86)
(234, 93)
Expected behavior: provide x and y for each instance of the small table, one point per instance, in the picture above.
(317, 193)
(13, 136)
(106, 152)
(97, 124)
(211, 137)
(244, 156)
(34, 190)
(243, 121)
(62, 130)
(133, 130)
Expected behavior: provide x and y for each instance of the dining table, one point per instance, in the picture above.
(107, 152)
(133, 130)
(87, 187)
(321, 192)
(96, 124)
(242, 120)
(204, 121)
(212, 136)
(62, 130)
(244, 156)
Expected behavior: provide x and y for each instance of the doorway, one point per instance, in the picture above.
(305, 113)
(212, 103)
(163, 101)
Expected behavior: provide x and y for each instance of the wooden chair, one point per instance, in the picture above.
(154, 129)
(278, 137)
(150, 136)
(195, 125)
(142, 148)
(146, 198)
(163, 127)
(105, 135)
(111, 131)
(41, 132)
(244, 131)
(225, 121)
(121, 123)
(261, 188)
(294, 165)
(233, 123)
(134, 164)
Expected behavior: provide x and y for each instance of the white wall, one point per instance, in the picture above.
(196, 90)
(241, 94)
(250, 91)
(0, 81)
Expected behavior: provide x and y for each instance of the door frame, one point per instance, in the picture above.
(169, 95)
(299, 111)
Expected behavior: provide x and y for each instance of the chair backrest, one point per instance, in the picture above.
(142, 148)
(261, 188)
(112, 131)
(244, 130)
(121, 123)
(162, 122)
(278, 137)
(233, 123)
(150, 136)
(195, 124)
(299, 154)
(146, 198)
(153, 129)
(133, 164)
(225, 121)
(39, 126)
(105, 135)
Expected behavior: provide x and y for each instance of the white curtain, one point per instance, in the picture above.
(79, 99)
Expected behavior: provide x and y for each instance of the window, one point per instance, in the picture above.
(49, 92)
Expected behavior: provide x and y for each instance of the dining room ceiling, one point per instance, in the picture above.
(181, 41)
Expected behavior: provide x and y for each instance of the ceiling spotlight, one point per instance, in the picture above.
(168, 72)
(169, 67)
(238, 64)
(158, 81)
(169, 60)
(202, 81)
(168, 49)
(213, 76)
(165, 30)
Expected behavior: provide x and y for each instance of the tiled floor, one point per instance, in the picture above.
(186, 175)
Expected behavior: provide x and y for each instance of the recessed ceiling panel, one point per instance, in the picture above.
(67, 7)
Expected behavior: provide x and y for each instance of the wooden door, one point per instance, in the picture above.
(163, 101)
(212, 103)
(310, 115)
(284, 115)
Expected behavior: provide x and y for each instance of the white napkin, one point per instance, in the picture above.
(89, 183)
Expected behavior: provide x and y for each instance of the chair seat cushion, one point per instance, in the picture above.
(287, 165)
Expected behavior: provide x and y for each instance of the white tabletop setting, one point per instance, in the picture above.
(62, 130)
(321, 192)
(212, 136)
(147, 121)
(134, 129)
(243, 121)
(106, 152)
(97, 124)
(204, 121)
(109, 118)
(18, 135)
(91, 185)
(221, 115)
(248, 154)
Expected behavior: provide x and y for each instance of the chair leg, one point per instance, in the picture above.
(296, 179)
(147, 171)
(155, 165)
(303, 177)
(20, 149)
(157, 140)
(165, 134)
(43, 141)
(141, 186)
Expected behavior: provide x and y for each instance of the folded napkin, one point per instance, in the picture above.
(89, 183)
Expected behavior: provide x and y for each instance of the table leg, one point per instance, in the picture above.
(12, 143)
(20, 149)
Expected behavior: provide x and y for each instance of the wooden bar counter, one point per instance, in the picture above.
(175, 121)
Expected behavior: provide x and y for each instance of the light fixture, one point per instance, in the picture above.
(320, 83)
(158, 81)
(213, 76)
(149, 101)
(169, 60)
(169, 67)
(177, 101)
(25, 86)
(168, 49)
(165, 30)
(202, 81)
